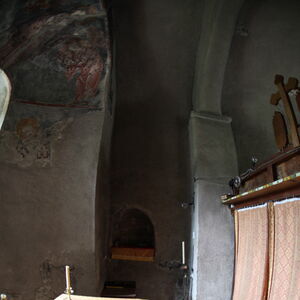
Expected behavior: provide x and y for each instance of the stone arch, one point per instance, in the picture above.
(134, 229)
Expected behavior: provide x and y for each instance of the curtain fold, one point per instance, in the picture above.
(251, 262)
(271, 244)
(285, 280)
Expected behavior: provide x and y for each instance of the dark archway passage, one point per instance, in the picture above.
(135, 230)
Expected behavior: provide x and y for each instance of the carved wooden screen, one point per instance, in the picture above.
(251, 253)
(285, 277)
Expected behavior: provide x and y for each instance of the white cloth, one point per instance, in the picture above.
(5, 90)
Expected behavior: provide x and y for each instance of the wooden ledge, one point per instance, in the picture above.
(274, 160)
(276, 190)
(136, 254)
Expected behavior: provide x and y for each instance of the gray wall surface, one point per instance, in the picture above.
(267, 42)
(214, 243)
(48, 216)
(213, 156)
(155, 50)
(213, 162)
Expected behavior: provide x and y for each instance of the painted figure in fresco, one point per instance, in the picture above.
(31, 140)
(79, 53)
(82, 61)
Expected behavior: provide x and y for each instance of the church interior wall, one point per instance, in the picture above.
(57, 57)
(188, 108)
(266, 42)
(155, 54)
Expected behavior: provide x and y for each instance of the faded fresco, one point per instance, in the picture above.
(30, 144)
(56, 54)
(82, 63)
(58, 59)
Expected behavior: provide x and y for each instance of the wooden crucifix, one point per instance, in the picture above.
(282, 94)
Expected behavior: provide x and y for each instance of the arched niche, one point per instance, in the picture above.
(133, 237)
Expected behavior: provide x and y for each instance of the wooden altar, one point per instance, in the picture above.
(68, 295)
(74, 297)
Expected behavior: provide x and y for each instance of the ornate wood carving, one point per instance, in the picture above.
(280, 130)
(282, 94)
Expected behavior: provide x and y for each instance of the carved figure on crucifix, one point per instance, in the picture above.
(281, 133)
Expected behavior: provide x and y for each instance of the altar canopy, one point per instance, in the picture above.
(267, 263)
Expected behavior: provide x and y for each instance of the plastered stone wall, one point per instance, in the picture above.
(213, 163)
(53, 160)
(155, 55)
(266, 42)
(213, 156)
(243, 44)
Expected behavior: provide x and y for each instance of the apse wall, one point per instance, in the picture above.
(53, 161)
(155, 55)
(266, 42)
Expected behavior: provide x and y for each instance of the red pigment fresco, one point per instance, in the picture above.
(83, 62)
(78, 52)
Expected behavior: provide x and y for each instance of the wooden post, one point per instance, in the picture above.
(283, 94)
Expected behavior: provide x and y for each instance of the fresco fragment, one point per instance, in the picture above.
(65, 53)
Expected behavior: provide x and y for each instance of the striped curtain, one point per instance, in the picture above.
(267, 259)
(285, 276)
(251, 265)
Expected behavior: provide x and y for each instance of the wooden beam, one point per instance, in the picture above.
(283, 94)
(136, 254)
(279, 189)
(275, 160)
(291, 85)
